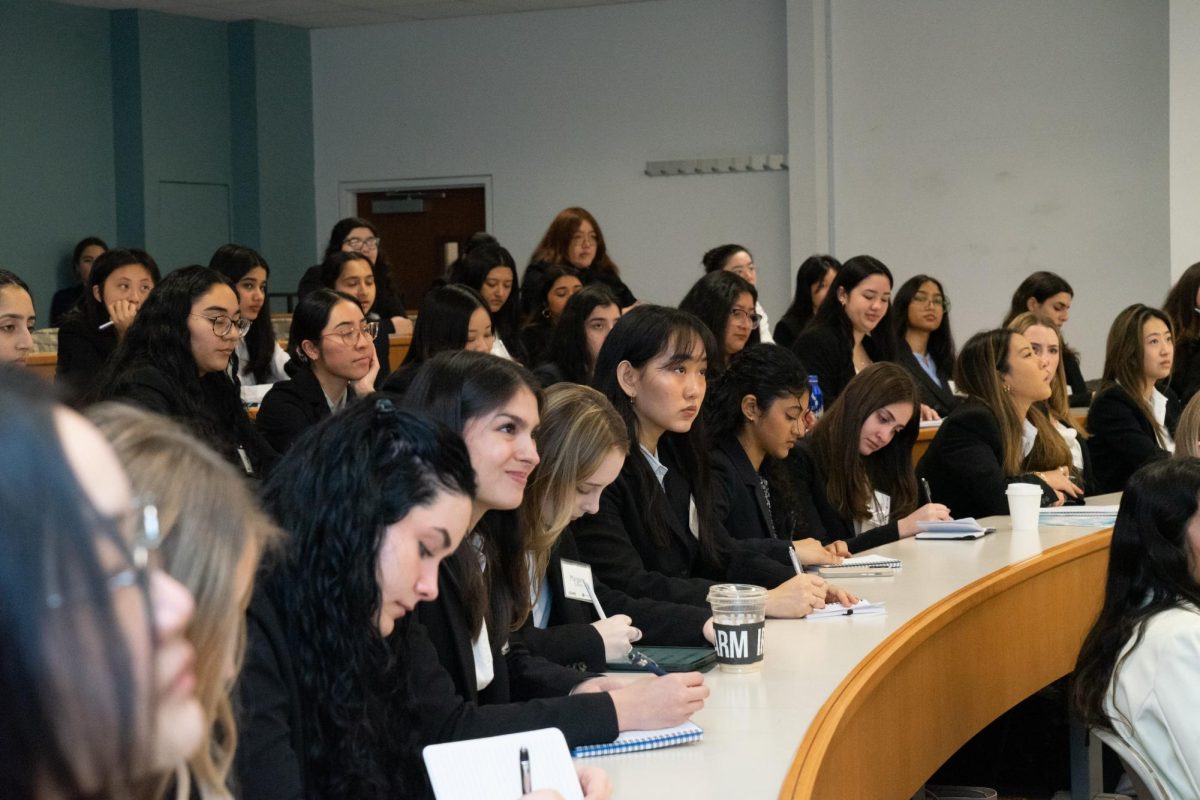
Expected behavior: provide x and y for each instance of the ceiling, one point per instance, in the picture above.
(339, 13)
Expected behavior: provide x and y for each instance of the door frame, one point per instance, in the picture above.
(348, 191)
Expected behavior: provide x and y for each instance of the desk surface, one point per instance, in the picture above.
(754, 725)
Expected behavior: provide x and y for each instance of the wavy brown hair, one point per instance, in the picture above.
(556, 241)
(1059, 404)
(1124, 355)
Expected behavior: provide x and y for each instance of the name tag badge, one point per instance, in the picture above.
(577, 580)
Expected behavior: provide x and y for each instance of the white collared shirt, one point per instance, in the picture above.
(481, 647)
(1158, 403)
(660, 472)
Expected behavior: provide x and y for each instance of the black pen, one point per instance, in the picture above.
(526, 778)
(928, 494)
(640, 659)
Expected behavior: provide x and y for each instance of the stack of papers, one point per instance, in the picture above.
(863, 608)
(631, 741)
(965, 528)
(1079, 516)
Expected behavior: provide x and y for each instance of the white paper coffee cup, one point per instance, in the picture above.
(1024, 505)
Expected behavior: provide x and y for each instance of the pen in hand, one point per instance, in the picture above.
(795, 561)
(640, 659)
(526, 777)
(928, 494)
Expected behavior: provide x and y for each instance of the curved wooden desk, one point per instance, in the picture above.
(870, 707)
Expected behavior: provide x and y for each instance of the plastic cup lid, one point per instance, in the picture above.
(737, 592)
(1023, 489)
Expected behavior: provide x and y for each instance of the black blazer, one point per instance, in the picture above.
(825, 522)
(626, 555)
(83, 353)
(291, 407)
(1080, 396)
(964, 464)
(149, 388)
(570, 638)
(62, 302)
(785, 331)
(1122, 439)
(933, 394)
(741, 505)
(270, 761)
(830, 356)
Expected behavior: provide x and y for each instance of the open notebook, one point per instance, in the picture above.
(490, 768)
(630, 741)
(861, 567)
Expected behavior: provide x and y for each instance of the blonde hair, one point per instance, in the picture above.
(578, 428)
(1187, 432)
(1059, 403)
(209, 523)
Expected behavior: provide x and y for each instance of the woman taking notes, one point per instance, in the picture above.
(1133, 415)
(854, 475)
(926, 345)
(1138, 672)
(1000, 434)
(656, 533)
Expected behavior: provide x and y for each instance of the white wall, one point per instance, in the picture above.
(980, 141)
(564, 108)
(1185, 135)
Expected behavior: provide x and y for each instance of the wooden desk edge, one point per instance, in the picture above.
(825, 729)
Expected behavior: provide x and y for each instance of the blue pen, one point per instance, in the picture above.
(640, 659)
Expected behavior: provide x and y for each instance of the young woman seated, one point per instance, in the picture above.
(117, 287)
(1050, 297)
(574, 239)
(211, 536)
(1138, 671)
(350, 273)
(484, 589)
(656, 534)
(738, 260)
(854, 476)
(17, 319)
(547, 296)
(261, 362)
(724, 302)
(98, 687)
(1000, 434)
(83, 256)
(1180, 307)
(453, 317)
(490, 270)
(1187, 432)
(576, 340)
(1134, 413)
(1047, 344)
(582, 444)
(341, 687)
(925, 344)
(333, 362)
(173, 361)
(813, 279)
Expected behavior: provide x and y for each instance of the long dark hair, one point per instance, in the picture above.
(444, 321)
(455, 388)
(941, 341)
(809, 274)
(833, 314)
(1149, 570)
(556, 242)
(386, 296)
(80, 246)
(308, 320)
(712, 299)
(641, 335)
(89, 309)
(1180, 305)
(568, 348)
(160, 338)
(60, 726)
(853, 477)
(234, 261)
(537, 292)
(1040, 286)
(336, 492)
(472, 270)
(13, 279)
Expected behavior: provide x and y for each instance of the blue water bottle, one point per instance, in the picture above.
(816, 401)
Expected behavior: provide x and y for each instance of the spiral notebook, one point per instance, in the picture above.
(861, 566)
(631, 741)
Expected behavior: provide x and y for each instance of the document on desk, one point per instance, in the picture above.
(630, 741)
(859, 567)
(965, 528)
(493, 766)
(1079, 516)
(863, 608)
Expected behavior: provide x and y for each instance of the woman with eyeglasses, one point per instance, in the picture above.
(211, 536)
(173, 361)
(260, 361)
(97, 685)
(357, 235)
(574, 239)
(333, 362)
(925, 342)
(17, 319)
(117, 286)
(738, 260)
(724, 302)
(351, 273)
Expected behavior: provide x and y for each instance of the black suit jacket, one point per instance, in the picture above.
(830, 356)
(291, 407)
(825, 522)
(626, 555)
(1122, 439)
(83, 353)
(571, 640)
(1080, 396)
(1185, 377)
(936, 396)
(741, 505)
(270, 761)
(964, 464)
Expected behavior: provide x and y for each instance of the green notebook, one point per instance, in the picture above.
(672, 659)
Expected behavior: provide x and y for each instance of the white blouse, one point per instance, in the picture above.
(253, 392)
